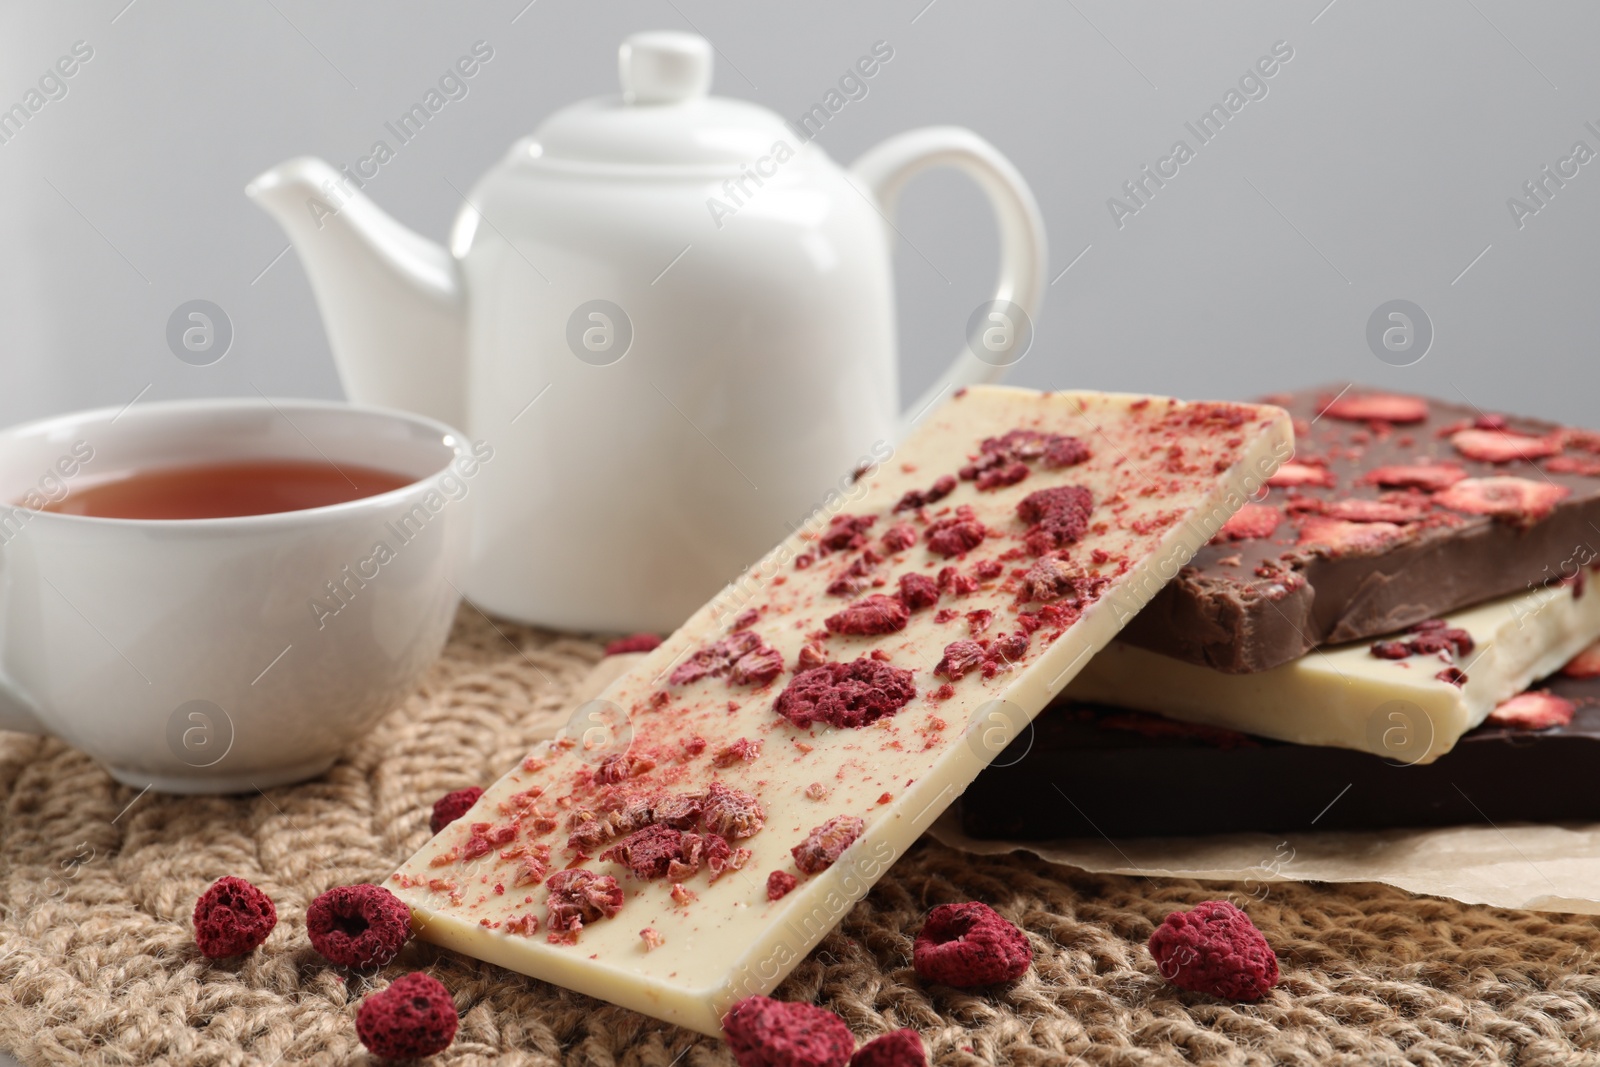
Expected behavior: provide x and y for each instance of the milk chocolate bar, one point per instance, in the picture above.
(1089, 770)
(718, 808)
(1394, 509)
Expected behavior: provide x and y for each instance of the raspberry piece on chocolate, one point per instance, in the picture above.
(1373, 511)
(966, 945)
(648, 852)
(901, 1048)
(633, 643)
(1519, 501)
(918, 591)
(845, 532)
(959, 658)
(732, 813)
(1454, 676)
(1249, 523)
(1214, 949)
(414, 1017)
(1585, 664)
(579, 896)
(1001, 476)
(826, 843)
(450, 807)
(898, 538)
(780, 884)
(876, 614)
(1391, 649)
(1378, 407)
(1428, 477)
(1503, 446)
(1537, 709)
(358, 925)
(232, 917)
(1056, 517)
(742, 655)
(959, 533)
(852, 694)
(941, 488)
(1291, 474)
(763, 1032)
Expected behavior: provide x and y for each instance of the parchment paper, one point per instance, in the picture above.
(1553, 867)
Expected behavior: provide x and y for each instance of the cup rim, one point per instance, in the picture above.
(457, 442)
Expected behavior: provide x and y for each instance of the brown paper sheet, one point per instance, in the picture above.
(1535, 867)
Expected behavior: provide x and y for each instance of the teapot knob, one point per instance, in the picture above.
(664, 67)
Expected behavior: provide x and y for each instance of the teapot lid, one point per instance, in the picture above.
(664, 116)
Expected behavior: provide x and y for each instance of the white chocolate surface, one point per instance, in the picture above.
(1347, 697)
(1164, 476)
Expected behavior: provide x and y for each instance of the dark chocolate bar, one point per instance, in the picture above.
(1089, 771)
(1394, 509)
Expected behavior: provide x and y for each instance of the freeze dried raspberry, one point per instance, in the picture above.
(899, 537)
(763, 1032)
(1453, 675)
(901, 1048)
(1378, 407)
(876, 614)
(1573, 465)
(1391, 649)
(741, 751)
(1343, 537)
(965, 945)
(1249, 523)
(1001, 476)
(648, 852)
(414, 1017)
(851, 694)
(1519, 501)
(1446, 639)
(955, 583)
(579, 896)
(450, 807)
(845, 532)
(1052, 578)
(941, 488)
(742, 655)
(1057, 517)
(1292, 474)
(1585, 664)
(956, 534)
(1537, 709)
(780, 884)
(1373, 511)
(358, 925)
(826, 843)
(1063, 451)
(959, 658)
(732, 813)
(1429, 477)
(633, 643)
(918, 591)
(1214, 949)
(811, 654)
(1503, 446)
(232, 917)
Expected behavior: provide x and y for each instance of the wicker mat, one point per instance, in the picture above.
(98, 964)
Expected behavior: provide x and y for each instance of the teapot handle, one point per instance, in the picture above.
(1001, 335)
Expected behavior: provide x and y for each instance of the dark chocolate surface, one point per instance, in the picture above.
(1089, 771)
(1250, 605)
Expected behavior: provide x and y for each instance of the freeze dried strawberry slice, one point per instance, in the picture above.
(1293, 474)
(1516, 500)
(1503, 446)
(1573, 465)
(1378, 407)
(1373, 511)
(1430, 477)
(1534, 710)
(1249, 523)
(1342, 536)
(1585, 664)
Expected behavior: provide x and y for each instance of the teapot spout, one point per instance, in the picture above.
(391, 301)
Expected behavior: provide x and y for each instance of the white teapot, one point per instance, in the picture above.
(670, 315)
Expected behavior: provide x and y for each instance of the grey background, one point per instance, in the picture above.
(1377, 167)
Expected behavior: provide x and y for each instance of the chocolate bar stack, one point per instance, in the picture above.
(1395, 633)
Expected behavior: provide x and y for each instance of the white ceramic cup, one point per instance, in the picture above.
(231, 654)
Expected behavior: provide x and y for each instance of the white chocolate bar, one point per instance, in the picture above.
(1162, 475)
(1347, 697)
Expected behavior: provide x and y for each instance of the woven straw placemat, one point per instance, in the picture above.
(98, 964)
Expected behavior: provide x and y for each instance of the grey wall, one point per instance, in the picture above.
(1378, 166)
